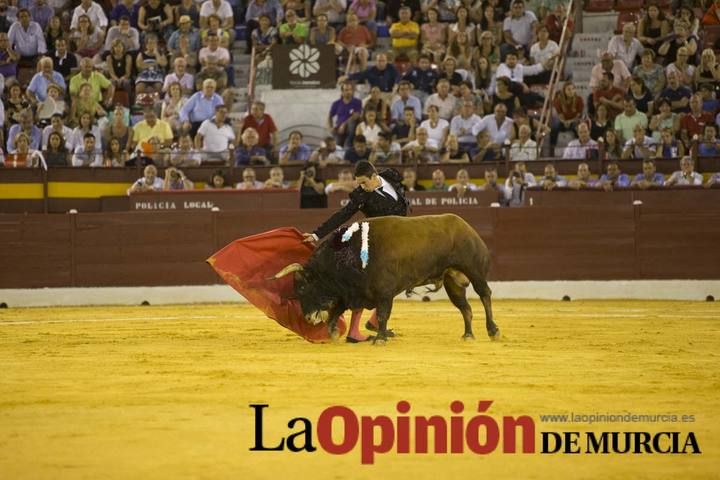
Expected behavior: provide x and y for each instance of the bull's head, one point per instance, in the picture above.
(314, 301)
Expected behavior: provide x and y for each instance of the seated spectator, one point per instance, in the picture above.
(85, 103)
(263, 38)
(42, 12)
(215, 137)
(436, 127)
(677, 95)
(294, 151)
(683, 38)
(156, 18)
(652, 74)
(685, 71)
(694, 122)
(322, 34)
(383, 75)
(543, 52)
(711, 104)
(334, 10)
(53, 31)
(345, 183)
(56, 126)
(23, 156)
(93, 10)
(422, 149)
(369, 128)
(312, 189)
(124, 8)
(498, 125)
(8, 57)
(86, 41)
(405, 34)
(185, 51)
(345, 114)
(214, 28)
(569, 108)
(87, 154)
(649, 177)
(125, 33)
(263, 124)
(151, 127)
(37, 91)
(639, 146)
(626, 47)
(119, 127)
(186, 28)
(488, 48)
(56, 154)
(486, 150)
(443, 100)
(686, 175)
(64, 62)
(708, 71)
(214, 61)
(255, 8)
(115, 155)
(668, 146)
(550, 179)
(185, 154)
(404, 131)
(149, 182)
(200, 107)
(217, 181)
(504, 94)
(462, 50)
(151, 64)
(709, 145)
(652, 27)
(516, 72)
(614, 178)
(410, 181)
(642, 96)
(620, 77)
(119, 65)
(492, 185)
(329, 153)
(433, 38)
(385, 151)
(601, 122)
(302, 8)
(583, 179)
(26, 126)
(405, 100)
(462, 183)
(582, 148)
(468, 95)
(171, 106)
(665, 119)
(102, 90)
(625, 122)
(451, 152)
(175, 179)
(248, 152)
(523, 148)
(277, 179)
(518, 28)
(293, 32)
(455, 11)
(54, 104)
(357, 40)
(609, 95)
(464, 125)
(27, 37)
(250, 181)
(359, 151)
(438, 182)
(614, 145)
(524, 177)
(181, 76)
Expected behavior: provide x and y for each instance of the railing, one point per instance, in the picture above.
(251, 83)
(351, 59)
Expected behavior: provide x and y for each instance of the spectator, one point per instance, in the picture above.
(322, 34)
(185, 155)
(498, 125)
(149, 182)
(504, 94)
(523, 148)
(38, 88)
(156, 17)
(422, 78)
(708, 71)
(626, 47)
(438, 182)
(151, 127)
(171, 105)
(668, 146)
(344, 114)
(34, 134)
(685, 72)
(85, 104)
(94, 12)
(462, 51)
(64, 62)
(640, 146)
(221, 8)
(613, 145)
(175, 179)
(436, 127)
(609, 95)
(27, 38)
(486, 150)
(524, 177)
(600, 122)
(99, 84)
(569, 108)
(712, 15)
(8, 14)
(422, 149)
(345, 183)
(614, 178)
(583, 179)
(328, 153)
(295, 151)
(369, 128)
(670, 49)
(23, 155)
(263, 124)
(119, 128)
(8, 57)
(215, 137)
(250, 181)
(248, 152)
(200, 107)
(115, 155)
(404, 132)
(214, 27)
(492, 185)
(181, 76)
(516, 72)
(56, 126)
(277, 179)
(55, 153)
(713, 180)
(677, 95)
(652, 27)
(709, 146)
(359, 151)
(125, 33)
(650, 72)
(42, 13)
(467, 95)
(433, 38)
(357, 40)
(463, 27)
(487, 49)
(312, 189)
(543, 52)
(86, 41)
(185, 29)
(150, 63)
(449, 72)
(608, 64)
(625, 122)
(366, 11)
(686, 175)
(293, 32)
(271, 8)
(119, 66)
(383, 75)
(649, 177)
(584, 147)
(405, 100)
(301, 8)
(551, 180)
(462, 183)
(87, 154)
(385, 151)
(443, 100)
(125, 8)
(405, 34)
(410, 181)
(217, 181)
(214, 61)
(693, 123)
(641, 95)
(452, 153)
(334, 10)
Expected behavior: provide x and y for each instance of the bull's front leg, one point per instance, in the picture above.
(333, 316)
(383, 310)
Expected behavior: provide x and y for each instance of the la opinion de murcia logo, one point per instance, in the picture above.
(304, 61)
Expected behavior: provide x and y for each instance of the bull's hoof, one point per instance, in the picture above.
(495, 336)
(373, 328)
(468, 336)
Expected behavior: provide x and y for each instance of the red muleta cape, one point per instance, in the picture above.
(247, 265)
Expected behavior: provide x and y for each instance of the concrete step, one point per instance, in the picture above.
(601, 22)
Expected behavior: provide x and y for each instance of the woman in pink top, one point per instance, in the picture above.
(366, 12)
(433, 36)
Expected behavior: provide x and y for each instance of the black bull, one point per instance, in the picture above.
(404, 252)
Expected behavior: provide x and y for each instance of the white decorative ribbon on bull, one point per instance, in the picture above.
(365, 237)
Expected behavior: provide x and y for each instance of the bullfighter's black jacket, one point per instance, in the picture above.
(372, 204)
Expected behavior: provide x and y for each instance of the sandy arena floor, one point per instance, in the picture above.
(163, 392)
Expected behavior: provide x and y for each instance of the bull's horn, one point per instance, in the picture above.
(293, 267)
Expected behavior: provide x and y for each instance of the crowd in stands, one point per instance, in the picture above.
(149, 83)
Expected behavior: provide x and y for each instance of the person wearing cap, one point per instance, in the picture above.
(185, 28)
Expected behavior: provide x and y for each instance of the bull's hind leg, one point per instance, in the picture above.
(482, 289)
(383, 310)
(456, 292)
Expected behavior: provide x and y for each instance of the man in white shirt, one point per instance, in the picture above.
(640, 146)
(222, 9)
(215, 137)
(518, 28)
(86, 155)
(626, 47)
(442, 99)
(334, 9)
(686, 175)
(516, 72)
(180, 75)
(580, 148)
(149, 182)
(523, 148)
(498, 125)
(94, 11)
(463, 125)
